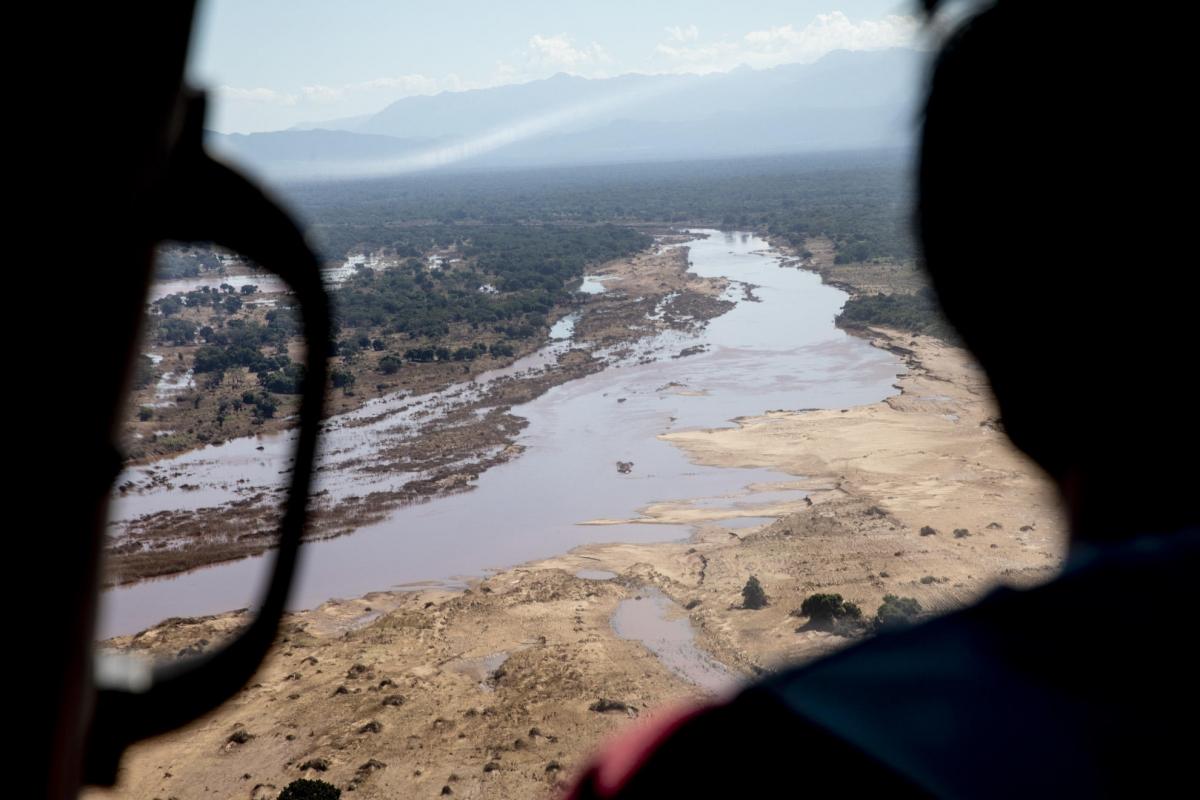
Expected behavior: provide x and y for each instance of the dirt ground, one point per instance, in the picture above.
(411, 701)
(920, 495)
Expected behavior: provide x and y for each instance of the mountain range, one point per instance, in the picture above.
(846, 100)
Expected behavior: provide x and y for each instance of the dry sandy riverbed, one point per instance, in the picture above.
(428, 704)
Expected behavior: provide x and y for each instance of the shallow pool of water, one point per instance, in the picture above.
(663, 627)
(595, 575)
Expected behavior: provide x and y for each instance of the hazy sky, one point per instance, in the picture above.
(275, 63)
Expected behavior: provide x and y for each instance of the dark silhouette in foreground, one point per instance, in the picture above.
(1040, 149)
(101, 203)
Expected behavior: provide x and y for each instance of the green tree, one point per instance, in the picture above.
(827, 611)
(390, 364)
(265, 406)
(177, 331)
(170, 305)
(753, 596)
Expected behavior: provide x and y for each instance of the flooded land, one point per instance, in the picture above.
(475, 616)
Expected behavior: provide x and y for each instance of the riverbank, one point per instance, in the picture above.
(918, 495)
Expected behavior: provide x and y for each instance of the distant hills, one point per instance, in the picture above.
(846, 100)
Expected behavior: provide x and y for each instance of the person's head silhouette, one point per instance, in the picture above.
(1047, 238)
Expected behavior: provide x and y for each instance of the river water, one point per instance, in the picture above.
(782, 352)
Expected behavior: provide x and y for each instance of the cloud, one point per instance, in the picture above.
(785, 44)
(260, 96)
(394, 87)
(676, 33)
(560, 52)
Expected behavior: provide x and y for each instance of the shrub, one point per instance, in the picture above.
(753, 596)
(390, 364)
(822, 609)
(289, 380)
(896, 612)
(265, 406)
(501, 350)
(304, 789)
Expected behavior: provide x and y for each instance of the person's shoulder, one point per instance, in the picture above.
(750, 745)
(1072, 686)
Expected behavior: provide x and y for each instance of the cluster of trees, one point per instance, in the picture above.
(529, 265)
(239, 343)
(223, 298)
(423, 355)
(288, 379)
(176, 331)
(830, 612)
(916, 313)
(184, 261)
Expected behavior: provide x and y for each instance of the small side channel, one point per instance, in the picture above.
(663, 627)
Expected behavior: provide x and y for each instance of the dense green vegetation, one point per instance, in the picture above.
(915, 313)
(860, 201)
(528, 267)
(239, 343)
(224, 298)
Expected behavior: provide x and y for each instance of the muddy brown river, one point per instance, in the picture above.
(782, 352)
